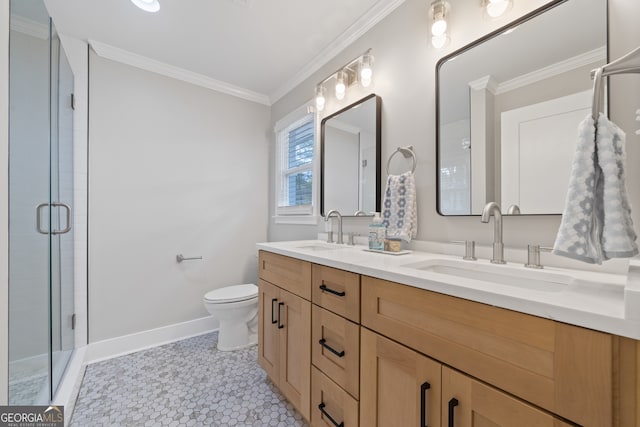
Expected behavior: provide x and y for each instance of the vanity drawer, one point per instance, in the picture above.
(291, 274)
(335, 348)
(337, 291)
(565, 369)
(334, 401)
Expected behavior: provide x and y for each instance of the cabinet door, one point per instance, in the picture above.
(268, 342)
(470, 403)
(398, 386)
(295, 351)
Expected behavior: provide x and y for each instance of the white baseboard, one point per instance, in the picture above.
(126, 344)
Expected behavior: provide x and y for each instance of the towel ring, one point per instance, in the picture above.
(406, 152)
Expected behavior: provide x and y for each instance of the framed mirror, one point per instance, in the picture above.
(350, 158)
(508, 108)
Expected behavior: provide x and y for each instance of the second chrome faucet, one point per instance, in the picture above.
(492, 208)
(335, 213)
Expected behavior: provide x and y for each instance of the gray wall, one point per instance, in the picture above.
(173, 168)
(404, 76)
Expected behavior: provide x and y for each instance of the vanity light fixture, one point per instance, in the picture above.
(358, 70)
(439, 13)
(496, 8)
(341, 88)
(320, 101)
(147, 5)
(366, 73)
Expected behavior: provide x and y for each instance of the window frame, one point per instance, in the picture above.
(300, 214)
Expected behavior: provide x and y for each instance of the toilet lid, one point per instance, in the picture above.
(233, 293)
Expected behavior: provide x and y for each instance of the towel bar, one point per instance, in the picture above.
(180, 258)
(406, 152)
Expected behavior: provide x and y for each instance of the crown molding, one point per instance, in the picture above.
(374, 15)
(29, 27)
(120, 55)
(599, 54)
(484, 83)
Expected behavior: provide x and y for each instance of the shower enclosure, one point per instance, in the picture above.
(41, 244)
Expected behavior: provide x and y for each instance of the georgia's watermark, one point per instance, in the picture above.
(31, 416)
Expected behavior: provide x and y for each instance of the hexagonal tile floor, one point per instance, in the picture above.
(185, 383)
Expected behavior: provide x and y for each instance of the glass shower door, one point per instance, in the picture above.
(41, 244)
(29, 250)
(62, 249)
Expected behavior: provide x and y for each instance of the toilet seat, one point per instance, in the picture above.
(235, 293)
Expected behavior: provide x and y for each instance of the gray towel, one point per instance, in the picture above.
(596, 222)
(400, 207)
(618, 235)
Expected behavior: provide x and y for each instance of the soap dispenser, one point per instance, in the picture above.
(377, 233)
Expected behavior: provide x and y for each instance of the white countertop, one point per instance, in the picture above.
(602, 301)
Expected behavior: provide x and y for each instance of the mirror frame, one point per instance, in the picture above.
(378, 100)
(495, 33)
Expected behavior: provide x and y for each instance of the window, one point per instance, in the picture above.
(295, 165)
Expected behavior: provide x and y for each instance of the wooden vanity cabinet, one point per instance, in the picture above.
(405, 388)
(284, 326)
(353, 350)
(335, 347)
(567, 370)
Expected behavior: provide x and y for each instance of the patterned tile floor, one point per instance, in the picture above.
(186, 383)
(26, 392)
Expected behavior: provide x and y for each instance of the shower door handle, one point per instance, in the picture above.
(39, 218)
(68, 227)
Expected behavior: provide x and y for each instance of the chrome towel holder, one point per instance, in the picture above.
(627, 64)
(406, 152)
(180, 258)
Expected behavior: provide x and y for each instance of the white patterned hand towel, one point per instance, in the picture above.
(400, 207)
(618, 234)
(596, 222)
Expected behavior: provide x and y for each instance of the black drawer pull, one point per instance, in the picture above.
(452, 404)
(326, 414)
(323, 343)
(324, 288)
(280, 325)
(423, 404)
(273, 321)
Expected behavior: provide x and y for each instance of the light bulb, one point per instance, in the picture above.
(341, 89)
(496, 8)
(365, 76)
(320, 101)
(439, 26)
(147, 5)
(440, 41)
(366, 73)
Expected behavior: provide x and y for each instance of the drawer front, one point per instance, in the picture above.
(337, 291)
(291, 274)
(331, 405)
(335, 348)
(565, 369)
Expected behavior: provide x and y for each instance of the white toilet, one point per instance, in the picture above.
(236, 308)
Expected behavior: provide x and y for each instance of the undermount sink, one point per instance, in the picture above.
(497, 274)
(320, 246)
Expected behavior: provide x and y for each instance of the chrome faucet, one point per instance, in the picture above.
(492, 208)
(335, 213)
